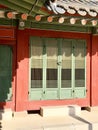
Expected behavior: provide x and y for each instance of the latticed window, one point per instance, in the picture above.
(57, 68)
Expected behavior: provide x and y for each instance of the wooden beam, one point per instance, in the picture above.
(84, 21)
(39, 3)
(38, 18)
(73, 20)
(56, 19)
(14, 6)
(48, 19)
(9, 15)
(94, 22)
(21, 3)
(22, 16)
(61, 20)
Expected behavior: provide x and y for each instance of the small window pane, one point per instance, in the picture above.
(52, 54)
(79, 54)
(66, 64)
(36, 63)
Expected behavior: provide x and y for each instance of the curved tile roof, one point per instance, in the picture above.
(33, 7)
(82, 7)
(37, 10)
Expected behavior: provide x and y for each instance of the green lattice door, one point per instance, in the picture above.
(73, 71)
(5, 73)
(57, 68)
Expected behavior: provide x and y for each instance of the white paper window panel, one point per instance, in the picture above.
(66, 64)
(36, 63)
(80, 63)
(51, 63)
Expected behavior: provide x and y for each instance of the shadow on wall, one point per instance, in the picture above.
(0, 126)
(1, 112)
(5, 78)
(0, 120)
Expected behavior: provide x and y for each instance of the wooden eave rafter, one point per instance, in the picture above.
(30, 7)
(68, 12)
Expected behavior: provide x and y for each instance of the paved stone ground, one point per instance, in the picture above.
(85, 121)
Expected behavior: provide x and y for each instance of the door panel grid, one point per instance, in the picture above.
(57, 68)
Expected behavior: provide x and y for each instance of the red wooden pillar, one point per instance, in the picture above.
(94, 71)
(22, 70)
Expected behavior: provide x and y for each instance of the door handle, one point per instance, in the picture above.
(43, 92)
(59, 63)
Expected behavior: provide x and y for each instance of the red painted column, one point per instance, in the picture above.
(94, 71)
(22, 70)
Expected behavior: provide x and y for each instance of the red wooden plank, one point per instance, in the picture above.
(7, 33)
(57, 34)
(2, 6)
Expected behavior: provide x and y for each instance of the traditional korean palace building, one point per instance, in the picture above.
(48, 53)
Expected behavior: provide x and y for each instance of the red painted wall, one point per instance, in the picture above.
(22, 100)
(94, 71)
(22, 69)
(20, 79)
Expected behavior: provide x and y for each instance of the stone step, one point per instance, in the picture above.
(91, 109)
(94, 108)
(69, 127)
(6, 114)
(20, 114)
(64, 110)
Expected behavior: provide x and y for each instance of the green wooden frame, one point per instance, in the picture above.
(59, 92)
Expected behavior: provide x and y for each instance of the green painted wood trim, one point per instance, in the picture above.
(44, 68)
(59, 42)
(39, 3)
(80, 92)
(21, 3)
(30, 8)
(8, 22)
(14, 6)
(25, 7)
(58, 27)
(85, 45)
(73, 67)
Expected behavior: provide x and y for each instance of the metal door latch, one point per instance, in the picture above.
(59, 63)
(43, 92)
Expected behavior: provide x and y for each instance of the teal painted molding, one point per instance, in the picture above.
(60, 27)
(8, 22)
(46, 26)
